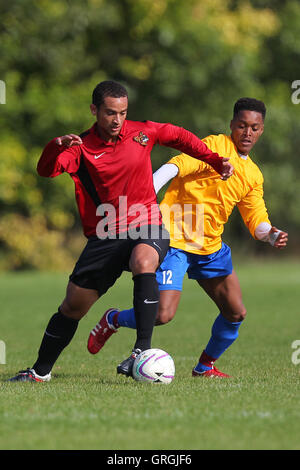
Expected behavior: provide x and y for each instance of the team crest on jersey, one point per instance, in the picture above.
(141, 138)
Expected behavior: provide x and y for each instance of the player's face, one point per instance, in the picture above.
(246, 129)
(111, 116)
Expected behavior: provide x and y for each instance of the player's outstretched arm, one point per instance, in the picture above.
(58, 156)
(188, 143)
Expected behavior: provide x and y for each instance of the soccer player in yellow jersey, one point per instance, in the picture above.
(196, 206)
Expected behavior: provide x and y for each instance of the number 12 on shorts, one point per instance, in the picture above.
(167, 277)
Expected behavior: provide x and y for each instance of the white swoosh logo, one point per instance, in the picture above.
(98, 156)
(157, 245)
(146, 301)
(52, 336)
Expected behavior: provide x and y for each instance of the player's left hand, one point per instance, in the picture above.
(281, 240)
(227, 169)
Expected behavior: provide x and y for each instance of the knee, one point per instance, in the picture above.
(242, 314)
(164, 315)
(143, 259)
(237, 315)
(71, 311)
(142, 265)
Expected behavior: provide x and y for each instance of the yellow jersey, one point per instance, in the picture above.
(198, 203)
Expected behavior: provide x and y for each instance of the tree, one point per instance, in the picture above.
(182, 62)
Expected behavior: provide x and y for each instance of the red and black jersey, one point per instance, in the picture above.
(116, 177)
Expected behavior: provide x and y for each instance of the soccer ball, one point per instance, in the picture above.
(154, 365)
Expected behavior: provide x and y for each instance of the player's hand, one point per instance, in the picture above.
(281, 238)
(69, 140)
(227, 169)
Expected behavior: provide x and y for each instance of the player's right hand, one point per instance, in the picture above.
(69, 140)
(227, 169)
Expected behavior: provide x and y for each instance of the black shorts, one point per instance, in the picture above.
(102, 261)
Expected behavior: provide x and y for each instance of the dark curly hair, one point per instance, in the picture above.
(107, 88)
(249, 104)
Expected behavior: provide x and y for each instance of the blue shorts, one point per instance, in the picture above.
(171, 272)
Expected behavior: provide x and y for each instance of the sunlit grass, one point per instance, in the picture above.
(88, 406)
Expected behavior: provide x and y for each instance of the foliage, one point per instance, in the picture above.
(182, 62)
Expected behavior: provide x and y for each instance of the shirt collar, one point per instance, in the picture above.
(244, 157)
(120, 136)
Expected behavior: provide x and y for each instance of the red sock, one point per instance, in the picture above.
(206, 360)
(115, 320)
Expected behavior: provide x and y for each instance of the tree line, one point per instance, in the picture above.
(182, 62)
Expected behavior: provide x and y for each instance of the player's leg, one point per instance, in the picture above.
(226, 293)
(63, 325)
(169, 277)
(59, 332)
(93, 274)
(143, 264)
(167, 307)
(147, 254)
(214, 273)
(113, 319)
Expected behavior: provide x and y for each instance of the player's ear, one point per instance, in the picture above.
(93, 109)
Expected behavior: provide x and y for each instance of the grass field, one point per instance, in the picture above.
(88, 406)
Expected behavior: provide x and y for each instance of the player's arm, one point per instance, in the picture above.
(254, 213)
(60, 154)
(187, 142)
(163, 175)
(181, 165)
(268, 233)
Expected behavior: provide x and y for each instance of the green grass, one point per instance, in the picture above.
(88, 406)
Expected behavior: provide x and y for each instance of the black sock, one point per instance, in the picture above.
(145, 302)
(58, 334)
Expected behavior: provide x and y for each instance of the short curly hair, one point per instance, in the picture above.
(107, 88)
(249, 104)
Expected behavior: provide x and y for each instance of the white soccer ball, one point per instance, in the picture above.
(154, 365)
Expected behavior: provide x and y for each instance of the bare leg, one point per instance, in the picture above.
(226, 293)
(78, 301)
(168, 304)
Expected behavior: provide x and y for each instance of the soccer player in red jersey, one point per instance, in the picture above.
(110, 165)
